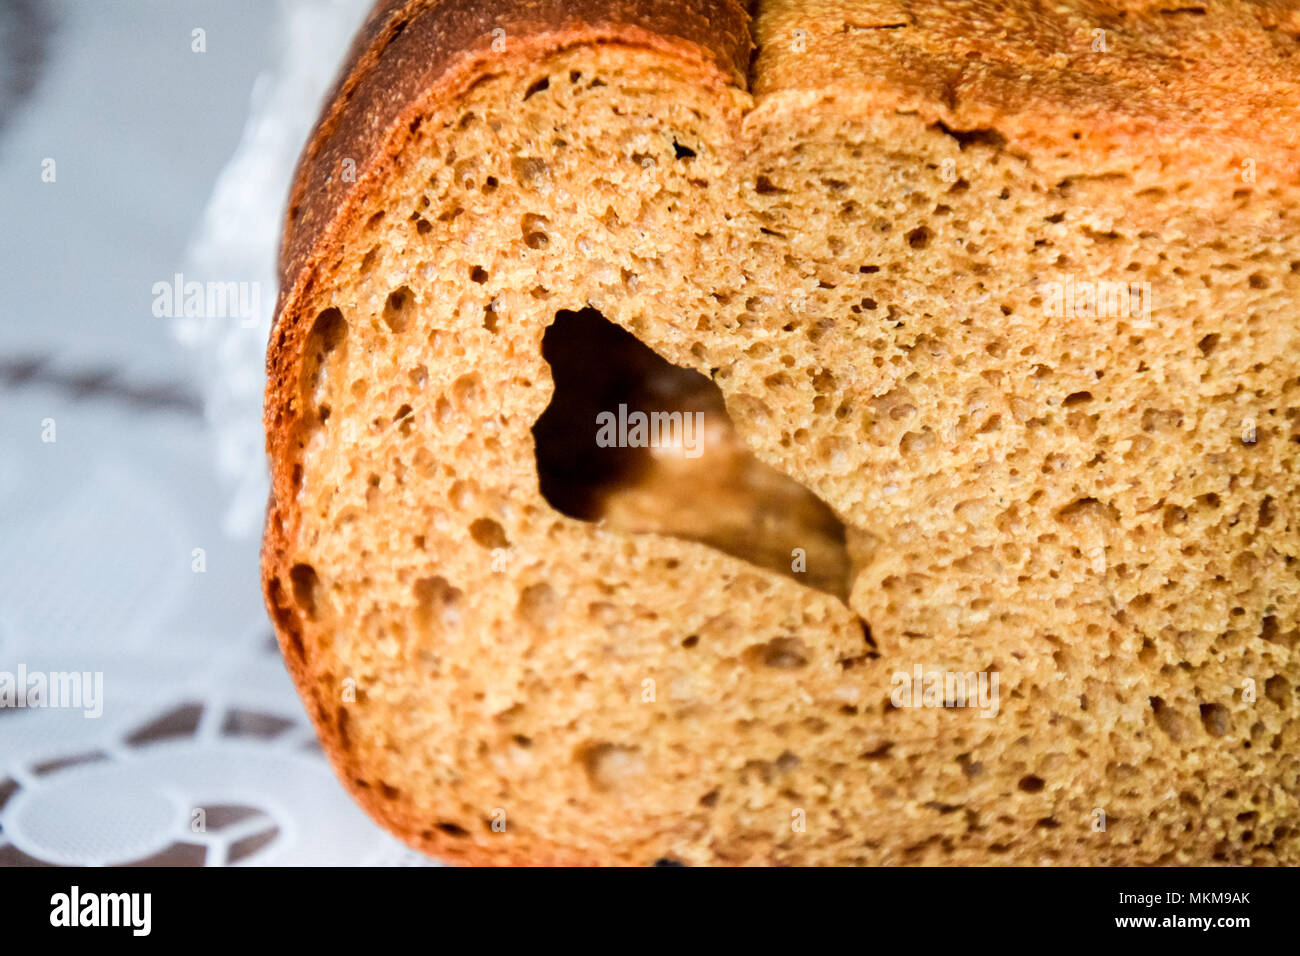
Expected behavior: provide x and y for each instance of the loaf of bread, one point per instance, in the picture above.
(838, 432)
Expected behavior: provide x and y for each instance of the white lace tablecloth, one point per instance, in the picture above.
(128, 543)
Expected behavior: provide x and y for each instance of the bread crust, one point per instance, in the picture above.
(408, 49)
(413, 59)
(410, 58)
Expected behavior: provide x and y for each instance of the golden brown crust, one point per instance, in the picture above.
(1181, 80)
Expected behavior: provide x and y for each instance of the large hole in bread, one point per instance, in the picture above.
(643, 445)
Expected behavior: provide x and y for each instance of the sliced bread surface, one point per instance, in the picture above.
(992, 340)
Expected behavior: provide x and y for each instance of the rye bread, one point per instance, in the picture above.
(866, 242)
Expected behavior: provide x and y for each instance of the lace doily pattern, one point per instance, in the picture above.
(182, 740)
(181, 781)
(131, 492)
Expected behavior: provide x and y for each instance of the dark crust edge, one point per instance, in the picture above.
(410, 59)
(408, 47)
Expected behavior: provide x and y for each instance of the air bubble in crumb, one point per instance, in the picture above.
(781, 653)
(397, 310)
(437, 603)
(538, 604)
(611, 766)
(305, 584)
(489, 534)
